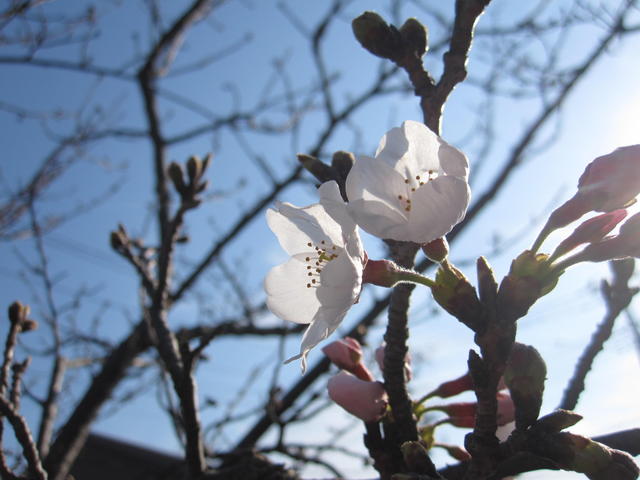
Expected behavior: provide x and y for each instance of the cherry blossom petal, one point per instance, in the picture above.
(375, 184)
(453, 161)
(436, 208)
(411, 148)
(415, 189)
(297, 228)
(287, 294)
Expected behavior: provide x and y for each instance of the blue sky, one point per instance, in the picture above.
(600, 115)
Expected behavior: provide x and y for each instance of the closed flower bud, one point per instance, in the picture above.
(625, 244)
(117, 240)
(194, 169)
(458, 409)
(457, 296)
(341, 162)
(18, 312)
(529, 278)
(608, 183)
(463, 414)
(376, 35)
(365, 400)
(557, 421)
(612, 181)
(383, 273)
(525, 374)
(487, 284)
(436, 250)
(175, 174)
(316, 167)
(28, 325)
(453, 387)
(590, 231)
(414, 35)
(347, 355)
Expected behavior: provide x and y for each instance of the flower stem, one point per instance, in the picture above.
(409, 276)
(542, 236)
(567, 262)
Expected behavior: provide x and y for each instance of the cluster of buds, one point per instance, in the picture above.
(459, 414)
(609, 184)
(463, 414)
(387, 41)
(193, 185)
(19, 317)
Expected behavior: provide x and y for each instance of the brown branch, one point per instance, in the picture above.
(164, 50)
(147, 77)
(50, 407)
(396, 337)
(5, 470)
(625, 440)
(9, 349)
(617, 297)
(467, 13)
(72, 435)
(23, 435)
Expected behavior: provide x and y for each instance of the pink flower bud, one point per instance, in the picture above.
(463, 414)
(363, 399)
(608, 183)
(592, 230)
(381, 272)
(436, 250)
(612, 181)
(625, 244)
(458, 409)
(347, 355)
(408, 372)
(454, 387)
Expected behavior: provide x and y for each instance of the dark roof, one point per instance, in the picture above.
(104, 458)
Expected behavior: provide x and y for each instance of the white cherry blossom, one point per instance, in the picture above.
(414, 189)
(323, 277)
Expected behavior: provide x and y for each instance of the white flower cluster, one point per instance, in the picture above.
(414, 189)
